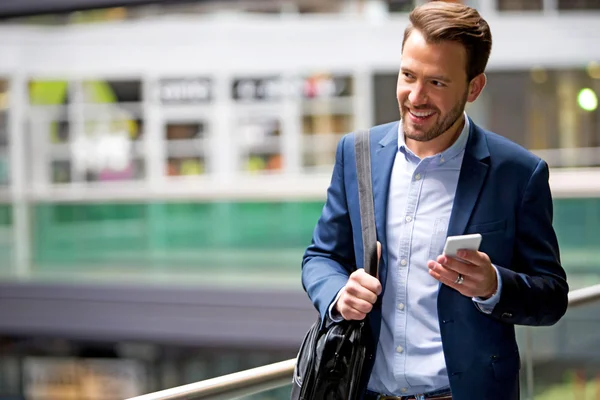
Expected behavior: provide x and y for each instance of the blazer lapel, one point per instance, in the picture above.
(383, 155)
(470, 181)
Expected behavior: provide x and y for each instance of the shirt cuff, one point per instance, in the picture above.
(487, 306)
(331, 313)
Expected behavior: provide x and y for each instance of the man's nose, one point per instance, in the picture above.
(417, 96)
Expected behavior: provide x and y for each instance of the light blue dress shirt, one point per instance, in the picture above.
(409, 357)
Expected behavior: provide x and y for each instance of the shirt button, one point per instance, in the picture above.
(442, 160)
(399, 349)
(404, 390)
(417, 177)
(401, 306)
(408, 218)
(403, 262)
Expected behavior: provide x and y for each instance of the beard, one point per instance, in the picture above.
(441, 125)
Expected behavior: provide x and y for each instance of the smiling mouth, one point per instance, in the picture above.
(419, 116)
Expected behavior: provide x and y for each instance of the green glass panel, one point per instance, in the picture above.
(233, 234)
(577, 224)
(177, 232)
(5, 215)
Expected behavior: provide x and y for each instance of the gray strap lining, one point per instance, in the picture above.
(365, 198)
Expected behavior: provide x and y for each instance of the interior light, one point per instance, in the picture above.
(593, 70)
(587, 99)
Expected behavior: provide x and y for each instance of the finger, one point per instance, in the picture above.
(466, 288)
(348, 312)
(367, 281)
(357, 304)
(354, 289)
(434, 272)
(448, 276)
(441, 273)
(457, 265)
(473, 256)
(352, 315)
(474, 278)
(445, 280)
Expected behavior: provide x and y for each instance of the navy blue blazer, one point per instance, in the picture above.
(503, 194)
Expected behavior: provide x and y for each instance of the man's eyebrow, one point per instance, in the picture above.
(431, 77)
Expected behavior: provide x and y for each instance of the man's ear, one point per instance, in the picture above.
(476, 87)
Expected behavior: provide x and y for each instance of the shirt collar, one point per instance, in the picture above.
(451, 152)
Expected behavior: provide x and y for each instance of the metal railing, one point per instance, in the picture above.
(272, 376)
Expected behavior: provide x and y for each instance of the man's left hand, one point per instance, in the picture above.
(475, 267)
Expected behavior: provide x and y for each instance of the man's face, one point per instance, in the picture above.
(432, 87)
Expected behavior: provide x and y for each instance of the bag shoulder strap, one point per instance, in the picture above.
(362, 152)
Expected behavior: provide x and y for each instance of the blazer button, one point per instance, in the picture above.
(506, 315)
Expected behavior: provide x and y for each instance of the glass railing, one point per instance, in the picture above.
(563, 361)
(558, 362)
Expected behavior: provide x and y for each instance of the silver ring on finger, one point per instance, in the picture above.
(459, 279)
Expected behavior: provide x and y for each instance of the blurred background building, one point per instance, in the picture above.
(163, 164)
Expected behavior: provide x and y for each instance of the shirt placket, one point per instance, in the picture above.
(404, 254)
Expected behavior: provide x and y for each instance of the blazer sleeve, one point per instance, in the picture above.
(329, 259)
(534, 289)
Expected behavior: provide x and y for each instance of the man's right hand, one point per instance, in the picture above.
(360, 293)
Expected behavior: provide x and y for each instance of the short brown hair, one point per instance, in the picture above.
(440, 21)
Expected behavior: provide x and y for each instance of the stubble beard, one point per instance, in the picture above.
(439, 128)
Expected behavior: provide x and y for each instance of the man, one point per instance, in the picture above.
(445, 327)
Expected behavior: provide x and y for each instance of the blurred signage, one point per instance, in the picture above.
(275, 88)
(53, 378)
(185, 90)
(326, 86)
(267, 88)
(102, 151)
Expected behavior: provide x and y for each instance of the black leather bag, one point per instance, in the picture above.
(335, 358)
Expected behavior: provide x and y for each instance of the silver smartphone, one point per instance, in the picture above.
(462, 242)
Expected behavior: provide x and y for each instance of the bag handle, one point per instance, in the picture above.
(362, 150)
